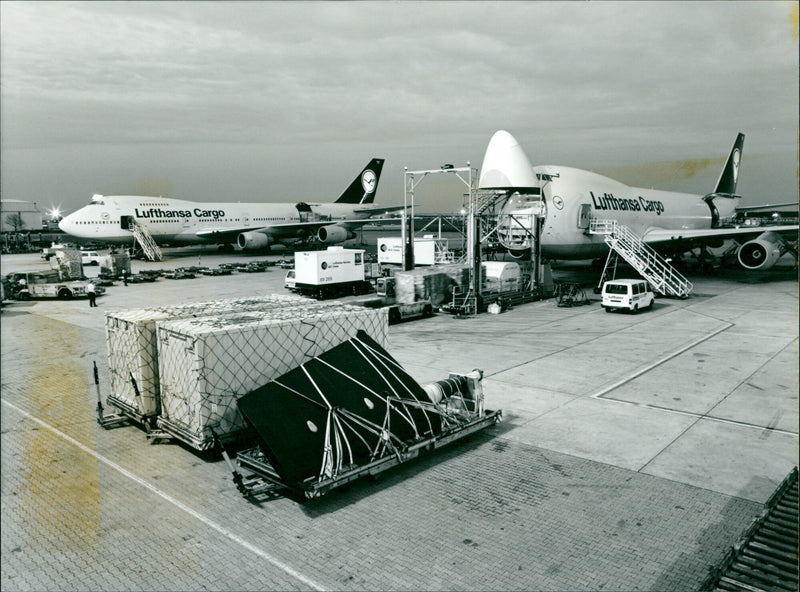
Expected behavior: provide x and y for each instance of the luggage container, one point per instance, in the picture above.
(115, 264)
(501, 276)
(206, 363)
(68, 263)
(430, 283)
(133, 350)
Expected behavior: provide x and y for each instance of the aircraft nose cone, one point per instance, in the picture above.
(64, 224)
(505, 164)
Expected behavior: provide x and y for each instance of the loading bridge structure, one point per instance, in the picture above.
(625, 243)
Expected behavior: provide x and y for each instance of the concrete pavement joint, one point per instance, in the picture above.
(747, 378)
(250, 547)
(601, 394)
(582, 343)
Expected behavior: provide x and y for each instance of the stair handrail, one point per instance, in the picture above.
(146, 241)
(641, 256)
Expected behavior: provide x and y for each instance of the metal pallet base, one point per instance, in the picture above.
(129, 415)
(266, 480)
(202, 443)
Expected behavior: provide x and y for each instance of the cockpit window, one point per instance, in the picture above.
(97, 203)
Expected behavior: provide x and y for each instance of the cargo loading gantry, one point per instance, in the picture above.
(483, 210)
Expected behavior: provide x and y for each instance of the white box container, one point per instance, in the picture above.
(332, 266)
(390, 250)
(205, 364)
(501, 276)
(133, 347)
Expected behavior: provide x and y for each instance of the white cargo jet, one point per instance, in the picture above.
(569, 199)
(174, 222)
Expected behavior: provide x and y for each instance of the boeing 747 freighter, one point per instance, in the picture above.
(569, 199)
(175, 222)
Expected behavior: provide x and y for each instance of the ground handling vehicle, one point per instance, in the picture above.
(630, 295)
(90, 257)
(334, 272)
(24, 286)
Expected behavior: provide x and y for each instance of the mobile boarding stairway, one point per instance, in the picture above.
(145, 240)
(663, 278)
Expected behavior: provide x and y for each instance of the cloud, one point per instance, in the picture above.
(587, 84)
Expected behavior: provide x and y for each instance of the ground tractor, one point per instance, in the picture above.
(24, 286)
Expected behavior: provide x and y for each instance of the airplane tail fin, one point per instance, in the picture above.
(726, 184)
(363, 188)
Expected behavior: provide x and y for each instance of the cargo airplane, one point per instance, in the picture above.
(251, 226)
(569, 199)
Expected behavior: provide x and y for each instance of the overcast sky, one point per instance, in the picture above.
(281, 101)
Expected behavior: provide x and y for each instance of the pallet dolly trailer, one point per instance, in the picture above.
(126, 414)
(348, 413)
(263, 480)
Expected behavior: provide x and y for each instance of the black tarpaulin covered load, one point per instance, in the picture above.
(346, 407)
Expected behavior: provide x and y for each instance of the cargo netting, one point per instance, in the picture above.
(205, 364)
(351, 406)
(133, 349)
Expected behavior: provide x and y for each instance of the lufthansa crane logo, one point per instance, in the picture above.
(368, 180)
(736, 158)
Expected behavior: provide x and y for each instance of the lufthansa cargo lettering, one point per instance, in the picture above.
(607, 201)
(197, 212)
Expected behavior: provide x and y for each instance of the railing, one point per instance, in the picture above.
(655, 269)
(145, 240)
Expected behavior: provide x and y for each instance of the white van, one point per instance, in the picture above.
(628, 295)
(90, 258)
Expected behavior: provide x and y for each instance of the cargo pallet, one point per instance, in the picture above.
(127, 414)
(264, 480)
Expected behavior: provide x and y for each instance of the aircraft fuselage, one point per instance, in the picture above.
(572, 197)
(179, 222)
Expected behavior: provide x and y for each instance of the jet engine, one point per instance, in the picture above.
(251, 241)
(762, 252)
(334, 234)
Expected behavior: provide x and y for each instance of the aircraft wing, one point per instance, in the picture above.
(378, 210)
(768, 207)
(286, 229)
(663, 235)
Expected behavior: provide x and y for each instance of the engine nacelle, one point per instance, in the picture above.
(334, 234)
(762, 252)
(251, 241)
